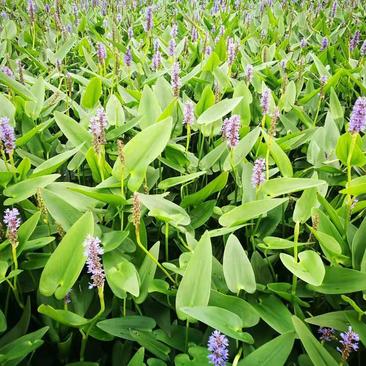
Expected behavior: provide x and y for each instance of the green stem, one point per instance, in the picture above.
(188, 136)
(166, 241)
(296, 238)
(85, 335)
(152, 257)
(187, 336)
(349, 178)
(237, 357)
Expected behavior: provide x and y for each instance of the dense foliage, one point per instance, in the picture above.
(183, 182)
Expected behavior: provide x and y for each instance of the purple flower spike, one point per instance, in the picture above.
(218, 348)
(265, 101)
(102, 53)
(156, 60)
(31, 10)
(149, 19)
(324, 44)
(230, 130)
(171, 48)
(7, 71)
(128, 57)
(12, 222)
(349, 343)
(357, 121)
(7, 135)
(249, 71)
(176, 79)
(334, 9)
(323, 80)
(231, 51)
(98, 124)
(303, 43)
(326, 334)
(188, 117)
(93, 251)
(354, 41)
(363, 49)
(174, 30)
(258, 172)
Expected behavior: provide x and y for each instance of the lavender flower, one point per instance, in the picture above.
(303, 43)
(188, 117)
(326, 334)
(174, 30)
(230, 130)
(156, 60)
(363, 49)
(323, 80)
(93, 251)
(130, 32)
(12, 222)
(171, 48)
(324, 44)
(349, 343)
(102, 53)
(258, 172)
(194, 34)
(7, 135)
(119, 18)
(208, 50)
(31, 10)
(358, 116)
(218, 348)
(149, 19)
(175, 78)
(265, 101)
(334, 9)
(98, 124)
(128, 57)
(7, 71)
(249, 71)
(47, 8)
(354, 41)
(231, 51)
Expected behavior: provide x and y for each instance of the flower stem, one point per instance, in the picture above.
(296, 238)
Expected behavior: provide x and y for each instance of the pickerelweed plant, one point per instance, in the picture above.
(183, 182)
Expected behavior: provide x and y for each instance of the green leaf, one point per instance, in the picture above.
(17, 87)
(22, 190)
(51, 165)
(249, 210)
(63, 316)
(74, 132)
(164, 209)
(339, 280)
(240, 307)
(279, 156)
(138, 358)
(92, 93)
(114, 111)
(218, 110)
(194, 289)
(314, 349)
(22, 346)
(274, 313)
(149, 108)
(243, 148)
(310, 267)
(197, 357)
(358, 245)
(214, 186)
(221, 319)
(3, 325)
(121, 275)
(147, 273)
(343, 149)
(66, 262)
(289, 97)
(171, 182)
(280, 186)
(274, 352)
(142, 150)
(238, 271)
(206, 101)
